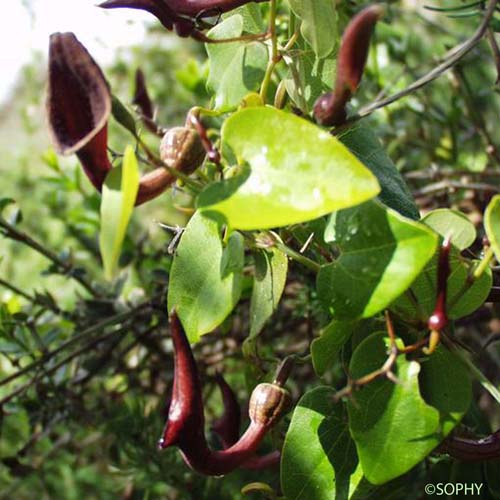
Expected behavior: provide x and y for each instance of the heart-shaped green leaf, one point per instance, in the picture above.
(319, 457)
(492, 224)
(206, 277)
(382, 253)
(393, 427)
(118, 199)
(297, 173)
(446, 385)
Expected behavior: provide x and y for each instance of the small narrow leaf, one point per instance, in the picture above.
(122, 115)
(362, 141)
(492, 224)
(270, 276)
(206, 277)
(393, 427)
(118, 198)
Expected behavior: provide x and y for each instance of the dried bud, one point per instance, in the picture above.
(182, 149)
(78, 105)
(268, 403)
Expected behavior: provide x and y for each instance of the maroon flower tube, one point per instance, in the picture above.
(439, 318)
(180, 15)
(472, 450)
(78, 106)
(330, 108)
(78, 109)
(186, 422)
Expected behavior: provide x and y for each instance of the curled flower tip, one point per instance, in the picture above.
(355, 44)
(78, 105)
(330, 110)
(141, 96)
(157, 8)
(227, 427)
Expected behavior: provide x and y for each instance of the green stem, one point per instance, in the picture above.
(484, 264)
(298, 257)
(275, 57)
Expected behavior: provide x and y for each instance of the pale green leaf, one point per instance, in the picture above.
(119, 193)
(452, 224)
(319, 24)
(206, 277)
(236, 68)
(297, 172)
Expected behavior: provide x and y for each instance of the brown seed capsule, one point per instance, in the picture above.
(268, 403)
(181, 148)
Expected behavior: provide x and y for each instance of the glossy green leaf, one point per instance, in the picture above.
(492, 224)
(362, 141)
(424, 291)
(327, 347)
(381, 254)
(297, 172)
(118, 199)
(445, 384)
(319, 459)
(271, 269)
(206, 277)
(236, 68)
(393, 427)
(318, 24)
(453, 224)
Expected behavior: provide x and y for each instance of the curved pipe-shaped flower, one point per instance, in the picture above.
(330, 108)
(186, 422)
